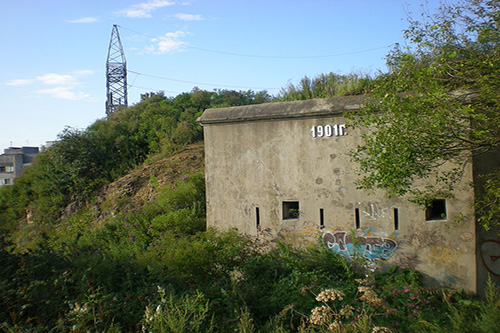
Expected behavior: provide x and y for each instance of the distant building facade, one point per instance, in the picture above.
(285, 170)
(13, 161)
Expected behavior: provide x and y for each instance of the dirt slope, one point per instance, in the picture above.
(140, 185)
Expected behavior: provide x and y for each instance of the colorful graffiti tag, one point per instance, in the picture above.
(369, 247)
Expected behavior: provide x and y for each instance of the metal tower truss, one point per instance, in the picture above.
(116, 74)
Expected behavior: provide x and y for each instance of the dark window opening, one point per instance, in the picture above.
(396, 219)
(290, 210)
(358, 222)
(436, 210)
(321, 218)
(257, 217)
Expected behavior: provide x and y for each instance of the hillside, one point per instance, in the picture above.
(141, 184)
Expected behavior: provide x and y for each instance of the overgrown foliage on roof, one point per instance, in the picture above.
(440, 103)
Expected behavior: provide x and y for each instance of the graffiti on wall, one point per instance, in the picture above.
(490, 255)
(375, 212)
(370, 247)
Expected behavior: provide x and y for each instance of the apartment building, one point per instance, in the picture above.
(13, 161)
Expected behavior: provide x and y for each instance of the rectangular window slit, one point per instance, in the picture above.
(396, 219)
(290, 210)
(257, 217)
(436, 211)
(358, 223)
(321, 218)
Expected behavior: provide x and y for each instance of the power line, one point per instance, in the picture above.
(271, 56)
(287, 57)
(150, 89)
(199, 83)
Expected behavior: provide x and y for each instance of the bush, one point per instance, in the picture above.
(189, 313)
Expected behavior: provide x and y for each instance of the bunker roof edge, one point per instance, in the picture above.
(284, 110)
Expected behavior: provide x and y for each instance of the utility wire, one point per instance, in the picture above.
(286, 57)
(270, 56)
(198, 83)
(150, 89)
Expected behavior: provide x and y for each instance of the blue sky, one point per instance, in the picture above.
(52, 64)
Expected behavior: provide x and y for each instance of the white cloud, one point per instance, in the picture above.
(167, 43)
(84, 20)
(175, 34)
(57, 79)
(83, 72)
(189, 17)
(20, 82)
(62, 92)
(142, 10)
(65, 83)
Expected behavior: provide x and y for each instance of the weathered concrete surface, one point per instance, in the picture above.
(296, 109)
(259, 157)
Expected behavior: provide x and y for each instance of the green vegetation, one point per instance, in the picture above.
(327, 85)
(82, 162)
(439, 103)
(106, 231)
(135, 255)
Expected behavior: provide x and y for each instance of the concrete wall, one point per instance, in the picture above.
(488, 241)
(257, 158)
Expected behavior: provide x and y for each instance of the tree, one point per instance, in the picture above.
(438, 103)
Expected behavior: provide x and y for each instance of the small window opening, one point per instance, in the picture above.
(257, 217)
(321, 218)
(436, 210)
(396, 219)
(358, 222)
(290, 210)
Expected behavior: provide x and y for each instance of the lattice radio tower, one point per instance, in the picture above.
(116, 74)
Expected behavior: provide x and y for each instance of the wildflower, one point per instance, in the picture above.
(369, 296)
(321, 315)
(335, 326)
(330, 295)
(148, 315)
(347, 311)
(80, 309)
(362, 281)
(184, 178)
